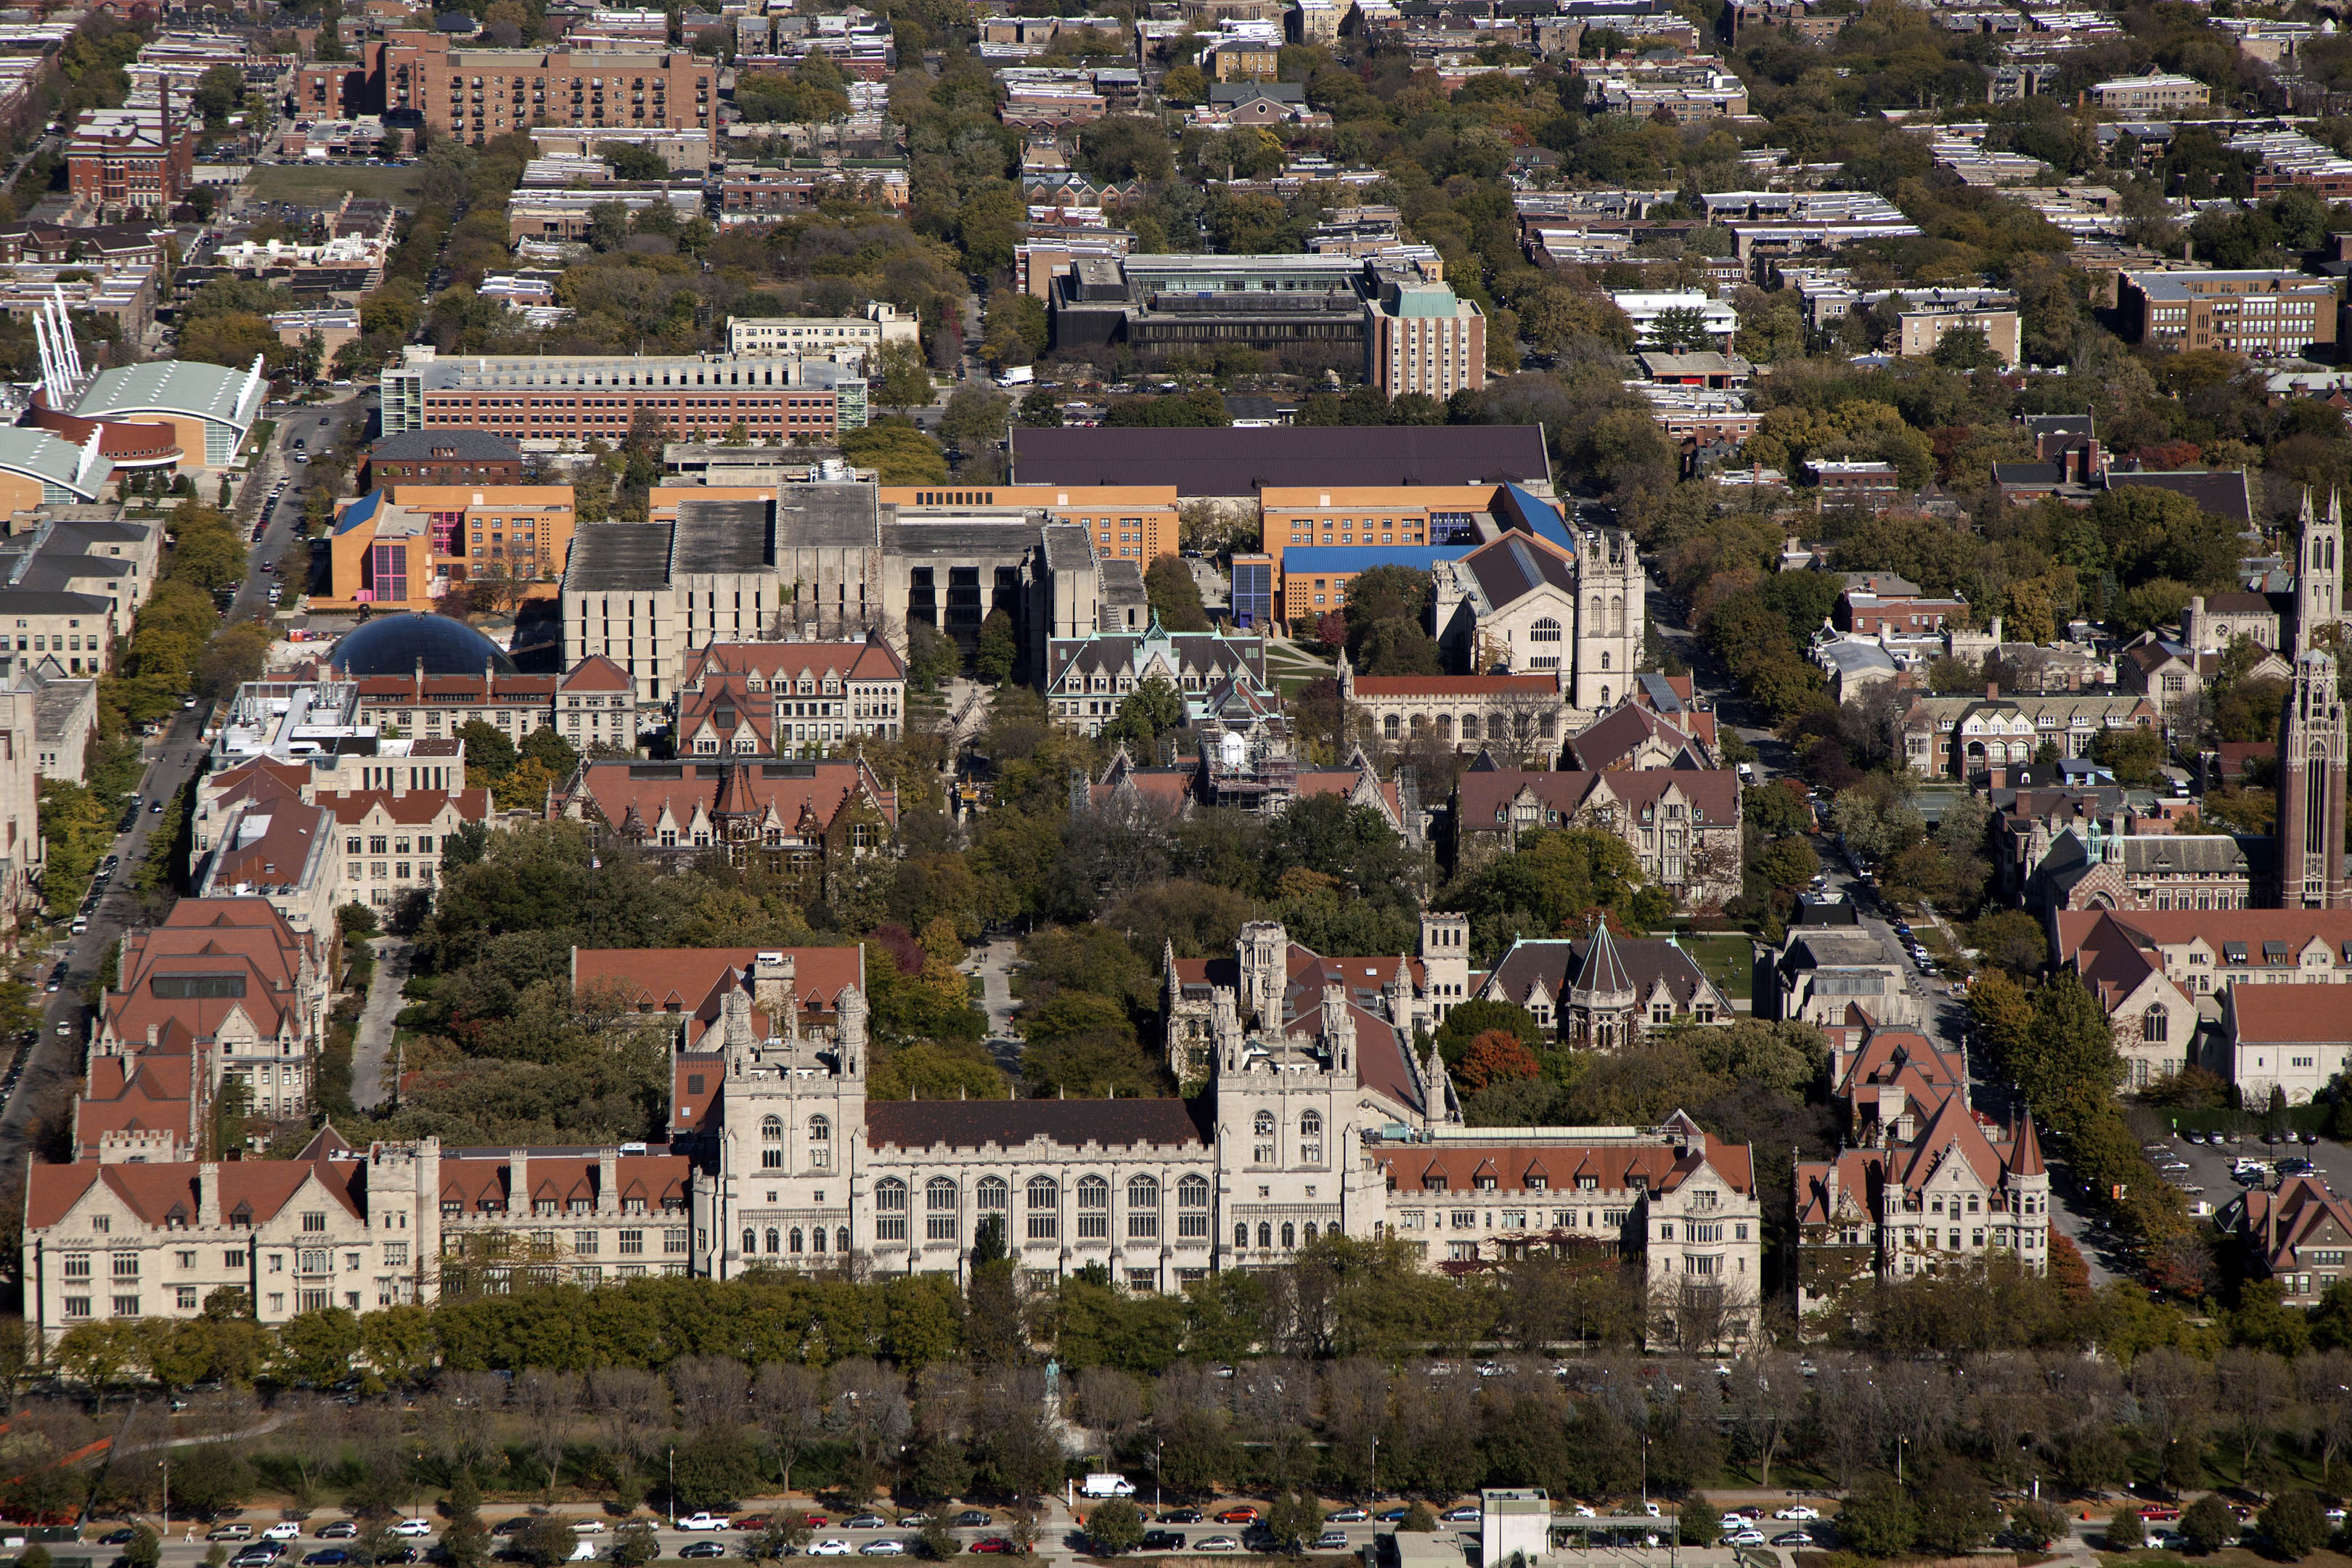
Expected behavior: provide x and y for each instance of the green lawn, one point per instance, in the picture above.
(1728, 960)
(318, 185)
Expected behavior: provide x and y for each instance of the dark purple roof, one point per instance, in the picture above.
(1223, 461)
(970, 1124)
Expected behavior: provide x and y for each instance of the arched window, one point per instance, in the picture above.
(751, 1242)
(1419, 723)
(2154, 1025)
(841, 1240)
(1544, 630)
(1604, 697)
(772, 1144)
(1390, 727)
(1193, 1209)
(1445, 726)
(1240, 1237)
(1600, 616)
(1142, 1209)
(940, 1199)
(890, 1210)
(772, 1130)
(1311, 1138)
(1094, 1208)
(820, 1139)
(795, 1238)
(775, 1242)
(1045, 1209)
(1604, 659)
(992, 1196)
(1289, 1236)
(816, 1240)
(1616, 617)
(1469, 726)
(1263, 1124)
(1266, 1235)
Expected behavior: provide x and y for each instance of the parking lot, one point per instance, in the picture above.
(2209, 1164)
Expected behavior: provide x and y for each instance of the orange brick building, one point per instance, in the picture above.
(476, 94)
(405, 546)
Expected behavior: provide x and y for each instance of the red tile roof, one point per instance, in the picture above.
(1482, 796)
(2291, 1015)
(1549, 1167)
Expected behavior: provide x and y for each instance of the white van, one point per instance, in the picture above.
(1105, 1484)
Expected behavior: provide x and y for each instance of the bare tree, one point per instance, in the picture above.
(1110, 1400)
(2174, 1393)
(1356, 1410)
(788, 1400)
(869, 1410)
(1766, 1393)
(630, 1406)
(548, 1398)
(2253, 1391)
(2007, 1399)
(710, 1390)
(1846, 1417)
(464, 1401)
(2327, 1401)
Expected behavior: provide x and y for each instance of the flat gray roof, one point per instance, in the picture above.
(721, 536)
(616, 557)
(845, 513)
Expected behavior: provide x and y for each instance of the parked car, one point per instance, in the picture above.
(341, 1529)
(974, 1519)
(1244, 1515)
(1750, 1537)
(1797, 1511)
(412, 1529)
(1392, 1515)
(284, 1530)
(1346, 1516)
(1218, 1544)
(588, 1526)
(701, 1522)
(996, 1543)
(831, 1546)
(1180, 1516)
(1332, 1540)
(886, 1547)
(328, 1557)
(1162, 1540)
(703, 1549)
(1792, 1538)
(865, 1522)
(2158, 1512)
(257, 1556)
(236, 1531)
(1466, 1514)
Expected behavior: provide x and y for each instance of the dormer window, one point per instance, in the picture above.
(1484, 1183)
(1588, 1183)
(1432, 1184)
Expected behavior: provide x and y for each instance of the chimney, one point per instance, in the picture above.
(208, 1204)
(608, 1181)
(1992, 691)
(517, 1183)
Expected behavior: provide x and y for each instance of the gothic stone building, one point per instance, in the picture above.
(1310, 1113)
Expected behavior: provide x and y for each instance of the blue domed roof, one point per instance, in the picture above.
(397, 645)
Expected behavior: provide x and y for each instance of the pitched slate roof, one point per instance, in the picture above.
(1605, 744)
(1517, 564)
(1645, 965)
(1542, 1166)
(1010, 1123)
(1483, 796)
(632, 796)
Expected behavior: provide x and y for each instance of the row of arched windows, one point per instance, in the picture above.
(790, 1243)
(1266, 1232)
(1042, 1206)
(771, 1142)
